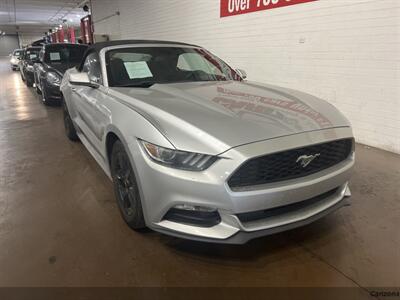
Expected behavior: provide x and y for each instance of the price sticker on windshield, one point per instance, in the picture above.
(137, 69)
(55, 56)
(238, 7)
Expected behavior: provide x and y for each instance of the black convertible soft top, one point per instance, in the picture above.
(98, 46)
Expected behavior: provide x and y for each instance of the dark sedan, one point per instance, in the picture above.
(30, 56)
(54, 60)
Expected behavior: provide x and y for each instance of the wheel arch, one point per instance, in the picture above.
(114, 134)
(111, 138)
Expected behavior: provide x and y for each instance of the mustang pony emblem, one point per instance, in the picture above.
(305, 160)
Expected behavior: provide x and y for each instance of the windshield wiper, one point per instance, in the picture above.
(143, 84)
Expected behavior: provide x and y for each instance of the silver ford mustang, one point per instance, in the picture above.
(196, 151)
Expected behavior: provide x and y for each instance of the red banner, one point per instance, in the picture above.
(238, 7)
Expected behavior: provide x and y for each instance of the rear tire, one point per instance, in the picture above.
(126, 188)
(70, 131)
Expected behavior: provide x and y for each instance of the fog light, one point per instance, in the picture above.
(194, 208)
(193, 215)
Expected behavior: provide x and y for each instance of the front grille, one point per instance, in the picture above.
(285, 165)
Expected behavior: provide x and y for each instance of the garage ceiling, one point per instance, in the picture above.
(38, 16)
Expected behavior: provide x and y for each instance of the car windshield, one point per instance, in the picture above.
(17, 53)
(143, 67)
(64, 54)
(31, 54)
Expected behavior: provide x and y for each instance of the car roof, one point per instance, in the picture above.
(64, 44)
(98, 46)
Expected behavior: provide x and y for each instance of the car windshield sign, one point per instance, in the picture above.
(145, 66)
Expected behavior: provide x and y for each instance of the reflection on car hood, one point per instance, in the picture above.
(213, 117)
(61, 68)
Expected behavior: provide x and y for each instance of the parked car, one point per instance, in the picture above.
(54, 60)
(197, 152)
(30, 56)
(15, 58)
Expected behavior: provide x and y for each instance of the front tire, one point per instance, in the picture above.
(70, 131)
(38, 91)
(126, 188)
(45, 99)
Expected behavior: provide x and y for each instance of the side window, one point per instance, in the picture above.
(93, 68)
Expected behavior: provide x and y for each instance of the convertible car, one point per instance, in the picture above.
(54, 60)
(29, 58)
(196, 151)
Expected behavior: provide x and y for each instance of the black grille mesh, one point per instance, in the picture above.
(284, 166)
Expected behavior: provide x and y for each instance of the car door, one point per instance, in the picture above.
(92, 114)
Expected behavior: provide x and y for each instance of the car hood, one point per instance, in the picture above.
(60, 68)
(214, 117)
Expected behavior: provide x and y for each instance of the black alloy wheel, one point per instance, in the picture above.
(45, 98)
(126, 188)
(70, 130)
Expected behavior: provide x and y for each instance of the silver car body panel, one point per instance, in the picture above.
(235, 120)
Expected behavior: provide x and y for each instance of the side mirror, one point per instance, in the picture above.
(82, 79)
(242, 73)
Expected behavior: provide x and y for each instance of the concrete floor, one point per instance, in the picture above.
(59, 224)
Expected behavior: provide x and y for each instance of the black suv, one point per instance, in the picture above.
(29, 57)
(54, 60)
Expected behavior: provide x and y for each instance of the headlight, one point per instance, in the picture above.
(53, 78)
(178, 159)
(29, 68)
(14, 61)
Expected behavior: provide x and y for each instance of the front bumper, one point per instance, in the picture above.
(52, 91)
(210, 189)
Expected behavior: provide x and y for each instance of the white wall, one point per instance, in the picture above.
(345, 51)
(27, 38)
(8, 43)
